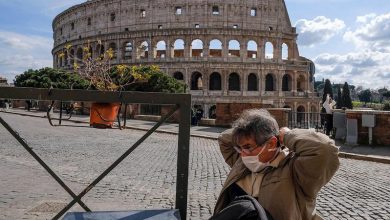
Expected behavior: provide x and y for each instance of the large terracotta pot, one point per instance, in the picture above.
(103, 115)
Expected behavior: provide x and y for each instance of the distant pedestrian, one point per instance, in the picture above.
(199, 114)
(28, 105)
(194, 119)
(6, 104)
(328, 106)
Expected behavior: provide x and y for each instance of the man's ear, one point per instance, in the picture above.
(274, 141)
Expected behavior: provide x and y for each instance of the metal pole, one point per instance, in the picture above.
(183, 159)
(43, 164)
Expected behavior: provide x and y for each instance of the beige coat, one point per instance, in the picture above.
(288, 191)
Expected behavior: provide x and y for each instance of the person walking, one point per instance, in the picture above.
(328, 106)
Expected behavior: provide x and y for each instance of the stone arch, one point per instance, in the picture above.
(215, 81)
(178, 75)
(196, 81)
(215, 48)
(313, 109)
(112, 46)
(285, 51)
(252, 49)
(79, 54)
(300, 114)
(66, 58)
(213, 112)
(71, 52)
(143, 50)
(234, 48)
(270, 82)
(269, 50)
(314, 117)
(100, 49)
(234, 82)
(178, 48)
(215, 10)
(301, 83)
(128, 52)
(196, 48)
(286, 82)
(90, 52)
(252, 82)
(161, 49)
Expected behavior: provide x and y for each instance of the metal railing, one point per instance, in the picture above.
(150, 110)
(307, 120)
(182, 102)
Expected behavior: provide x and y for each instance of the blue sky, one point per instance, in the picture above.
(349, 40)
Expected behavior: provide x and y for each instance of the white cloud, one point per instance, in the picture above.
(21, 52)
(369, 64)
(23, 42)
(318, 30)
(371, 69)
(373, 32)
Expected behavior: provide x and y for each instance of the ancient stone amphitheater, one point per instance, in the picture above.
(226, 51)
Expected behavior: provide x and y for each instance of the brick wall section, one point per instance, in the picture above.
(228, 112)
(381, 131)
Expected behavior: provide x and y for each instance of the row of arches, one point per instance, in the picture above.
(234, 82)
(197, 48)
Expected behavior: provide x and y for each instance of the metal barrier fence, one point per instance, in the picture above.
(307, 120)
(182, 102)
(150, 110)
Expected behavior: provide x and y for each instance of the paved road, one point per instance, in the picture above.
(360, 189)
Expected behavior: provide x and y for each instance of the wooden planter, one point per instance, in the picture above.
(103, 115)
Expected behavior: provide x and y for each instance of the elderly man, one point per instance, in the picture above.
(282, 169)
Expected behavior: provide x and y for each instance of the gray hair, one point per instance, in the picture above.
(258, 123)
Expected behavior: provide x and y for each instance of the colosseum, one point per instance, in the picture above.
(226, 51)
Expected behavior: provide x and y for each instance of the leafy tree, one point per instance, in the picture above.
(327, 90)
(365, 96)
(383, 93)
(346, 97)
(145, 78)
(50, 78)
(386, 94)
(339, 100)
(158, 81)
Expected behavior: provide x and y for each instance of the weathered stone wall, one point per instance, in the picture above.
(229, 112)
(117, 23)
(381, 131)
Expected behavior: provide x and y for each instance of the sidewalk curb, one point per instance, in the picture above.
(363, 157)
(341, 154)
(127, 127)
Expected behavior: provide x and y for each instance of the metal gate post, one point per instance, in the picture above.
(183, 158)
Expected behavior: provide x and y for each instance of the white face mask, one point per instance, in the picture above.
(253, 163)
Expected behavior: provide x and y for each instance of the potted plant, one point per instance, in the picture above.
(99, 74)
(103, 76)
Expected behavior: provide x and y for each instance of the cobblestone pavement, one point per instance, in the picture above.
(146, 179)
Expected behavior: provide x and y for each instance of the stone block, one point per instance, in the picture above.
(352, 131)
